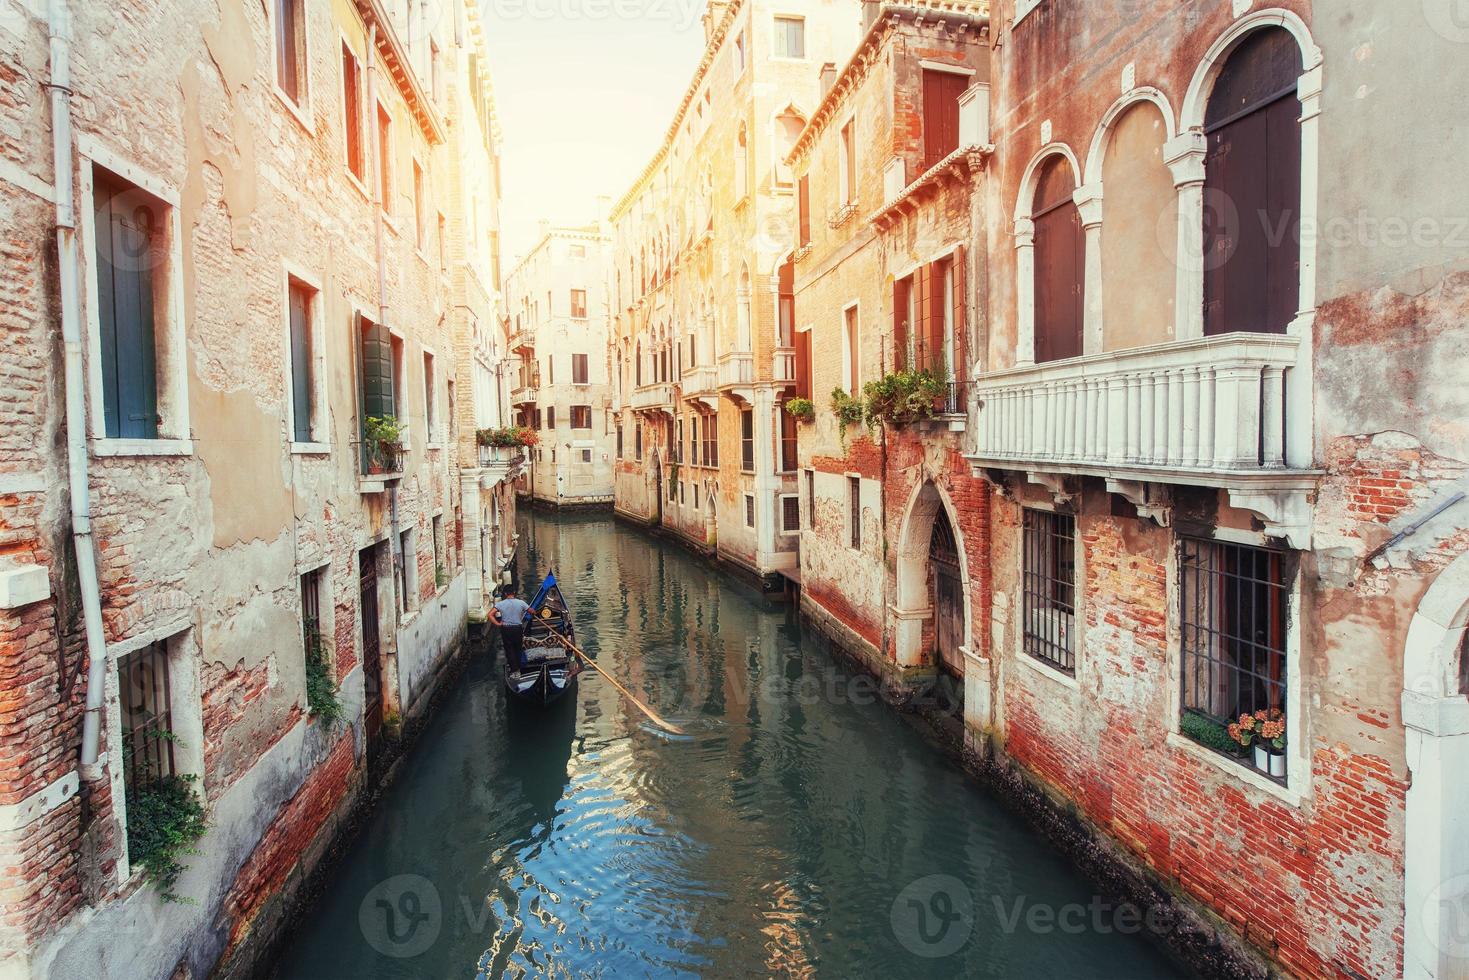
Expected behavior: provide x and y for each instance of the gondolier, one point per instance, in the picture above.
(543, 668)
(509, 614)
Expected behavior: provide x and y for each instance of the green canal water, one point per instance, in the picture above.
(801, 828)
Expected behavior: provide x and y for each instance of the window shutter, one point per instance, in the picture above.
(803, 197)
(300, 366)
(125, 311)
(803, 364)
(959, 370)
(377, 370)
(935, 332)
(900, 323)
(941, 91)
(921, 313)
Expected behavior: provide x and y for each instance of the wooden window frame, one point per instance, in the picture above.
(296, 277)
(170, 329)
(351, 125)
(778, 36)
(585, 411)
(298, 105)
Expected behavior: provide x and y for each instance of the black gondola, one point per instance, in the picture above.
(548, 669)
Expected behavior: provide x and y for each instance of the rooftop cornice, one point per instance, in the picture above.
(711, 51)
(390, 49)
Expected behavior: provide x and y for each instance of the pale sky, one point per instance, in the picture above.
(585, 90)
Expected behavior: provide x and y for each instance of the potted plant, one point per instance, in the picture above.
(382, 440)
(801, 409)
(1264, 732)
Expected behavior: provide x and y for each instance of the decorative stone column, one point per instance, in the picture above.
(766, 481)
(1184, 156)
(1088, 198)
(1025, 291)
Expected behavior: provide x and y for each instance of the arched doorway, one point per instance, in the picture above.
(946, 583)
(1436, 721)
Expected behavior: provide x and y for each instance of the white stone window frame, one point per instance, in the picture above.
(851, 349)
(366, 128)
(302, 113)
(385, 205)
(402, 404)
(1298, 762)
(1024, 231)
(326, 602)
(845, 199)
(421, 207)
(782, 529)
(776, 16)
(186, 714)
(428, 392)
(749, 502)
(1072, 681)
(848, 516)
(171, 360)
(320, 442)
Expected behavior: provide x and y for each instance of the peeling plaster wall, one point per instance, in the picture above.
(205, 547)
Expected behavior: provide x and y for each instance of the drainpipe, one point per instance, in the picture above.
(395, 556)
(59, 30)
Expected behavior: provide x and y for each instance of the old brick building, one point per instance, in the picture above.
(262, 226)
(702, 354)
(556, 298)
(1193, 287)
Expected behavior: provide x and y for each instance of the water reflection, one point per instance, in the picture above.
(802, 830)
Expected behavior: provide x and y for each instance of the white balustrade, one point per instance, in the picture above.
(653, 396)
(736, 368)
(1212, 404)
(785, 364)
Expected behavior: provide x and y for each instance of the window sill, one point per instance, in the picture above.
(298, 112)
(142, 447)
(1046, 670)
(356, 183)
(311, 448)
(1241, 772)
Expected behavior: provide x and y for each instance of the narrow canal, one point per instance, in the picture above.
(802, 828)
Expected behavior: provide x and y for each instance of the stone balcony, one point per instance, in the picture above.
(1205, 412)
(785, 364)
(497, 463)
(656, 397)
(701, 384)
(523, 339)
(737, 374)
(523, 395)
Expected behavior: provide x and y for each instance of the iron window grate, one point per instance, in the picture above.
(1232, 628)
(147, 717)
(1048, 588)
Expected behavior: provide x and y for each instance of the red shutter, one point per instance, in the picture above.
(921, 314)
(959, 370)
(941, 91)
(900, 323)
(935, 316)
(803, 197)
(803, 364)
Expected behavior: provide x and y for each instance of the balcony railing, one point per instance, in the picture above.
(956, 398)
(701, 380)
(653, 397)
(1209, 405)
(523, 339)
(523, 395)
(785, 364)
(736, 368)
(499, 455)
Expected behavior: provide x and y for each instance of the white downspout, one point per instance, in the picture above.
(395, 555)
(59, 29)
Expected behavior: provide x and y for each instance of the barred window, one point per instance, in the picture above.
(790, 513)
(1232, 625)
(147, 718)
(1049, 588)
(854, 516)
(749, 510)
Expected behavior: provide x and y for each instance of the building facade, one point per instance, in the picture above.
(556, 300)
(246, 317)
(702, 355)
(1174, 520)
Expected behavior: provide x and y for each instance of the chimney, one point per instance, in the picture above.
(870, 10)
(828, 77)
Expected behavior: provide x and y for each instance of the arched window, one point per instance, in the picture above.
(743, 339)
(1252, 188)
(788, 126)
(742, 165)
(1059, 263)
(1137, 305)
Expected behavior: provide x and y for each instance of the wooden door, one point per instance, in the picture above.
(1059, 265)
(948, 597)
(372, 670)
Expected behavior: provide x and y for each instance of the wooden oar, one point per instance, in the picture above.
(656, 718)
